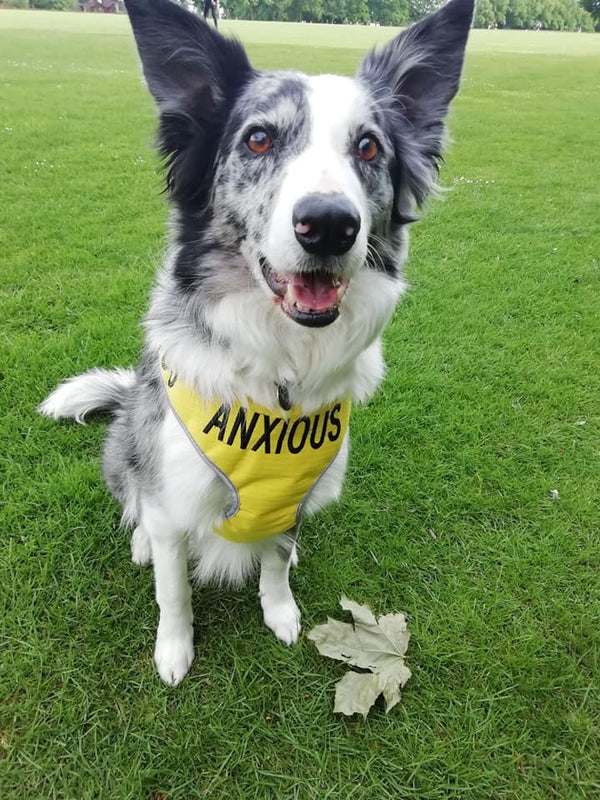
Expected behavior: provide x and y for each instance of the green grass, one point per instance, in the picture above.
(492, 400)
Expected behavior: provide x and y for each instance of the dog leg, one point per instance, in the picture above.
(174, 651)
(280, 612)
(141, 549)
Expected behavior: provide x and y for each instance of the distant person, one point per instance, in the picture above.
(212, 6)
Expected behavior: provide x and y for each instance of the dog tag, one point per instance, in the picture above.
(283, 396)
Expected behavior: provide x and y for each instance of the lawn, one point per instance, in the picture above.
(491, 403)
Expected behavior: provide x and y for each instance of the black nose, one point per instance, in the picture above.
(325, 224)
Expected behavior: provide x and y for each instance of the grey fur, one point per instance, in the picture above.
(276, 102)
(130, 458)
(286, 544)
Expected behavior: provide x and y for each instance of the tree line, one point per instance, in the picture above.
(566, 15)
(554, 15)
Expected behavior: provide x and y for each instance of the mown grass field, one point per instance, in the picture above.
(492, 401)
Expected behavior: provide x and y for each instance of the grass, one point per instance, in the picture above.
(492, 400)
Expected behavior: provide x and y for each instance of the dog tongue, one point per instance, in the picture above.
(314, 291)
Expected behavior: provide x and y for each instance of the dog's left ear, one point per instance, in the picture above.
(194, 74)
(415, 76)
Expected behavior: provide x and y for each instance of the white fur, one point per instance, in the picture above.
(280, 612)
(78, 396)
(267, 347)
(337, 105)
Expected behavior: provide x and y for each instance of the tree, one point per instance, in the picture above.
(420, 8)
(390, 12)
(52, 5)
(334, 11)
(358, 11)
(593, 9)
(484, 16)
(305, 10)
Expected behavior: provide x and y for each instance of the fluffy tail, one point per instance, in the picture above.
(95, 390)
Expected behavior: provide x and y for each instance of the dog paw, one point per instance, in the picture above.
(173, 656)
(141, 549)
(283, 619)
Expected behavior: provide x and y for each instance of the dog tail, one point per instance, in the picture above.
(92, 391)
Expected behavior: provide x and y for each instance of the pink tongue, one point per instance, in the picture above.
(314, 292)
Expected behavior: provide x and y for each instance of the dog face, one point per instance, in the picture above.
(302, 182)
(306, 193)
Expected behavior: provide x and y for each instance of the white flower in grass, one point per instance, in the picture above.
(478, 181)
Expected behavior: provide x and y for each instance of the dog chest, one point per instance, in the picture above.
(269, 459)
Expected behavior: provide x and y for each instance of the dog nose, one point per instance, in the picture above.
(325, 224)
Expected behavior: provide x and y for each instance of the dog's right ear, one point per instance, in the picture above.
(194, 74)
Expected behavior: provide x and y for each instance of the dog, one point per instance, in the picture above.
(292, 196)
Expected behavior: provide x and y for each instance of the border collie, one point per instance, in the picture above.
(291, 199)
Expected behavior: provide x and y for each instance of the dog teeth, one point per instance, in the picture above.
(307, 310)
(291, 293)
(341, 290)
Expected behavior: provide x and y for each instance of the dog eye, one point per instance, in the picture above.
(259, 141)
(368, 148)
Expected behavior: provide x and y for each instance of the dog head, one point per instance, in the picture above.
(306, 182)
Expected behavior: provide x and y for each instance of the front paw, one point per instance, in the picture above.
(283, 619)
(173, 654)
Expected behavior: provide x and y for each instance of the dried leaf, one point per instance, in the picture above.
(392, 682)
(360, 613)
(395, 628)
(376, 645)
(368, 644)
(356, 692)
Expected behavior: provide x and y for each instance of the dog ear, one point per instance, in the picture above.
(193, 73)
(415, 76)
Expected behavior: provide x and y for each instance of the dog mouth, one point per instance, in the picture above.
(309, 298)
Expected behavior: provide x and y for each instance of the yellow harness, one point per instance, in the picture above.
(269, 459)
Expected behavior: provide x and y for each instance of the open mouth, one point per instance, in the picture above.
(309, 298)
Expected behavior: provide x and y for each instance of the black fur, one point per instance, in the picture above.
(195, 75)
